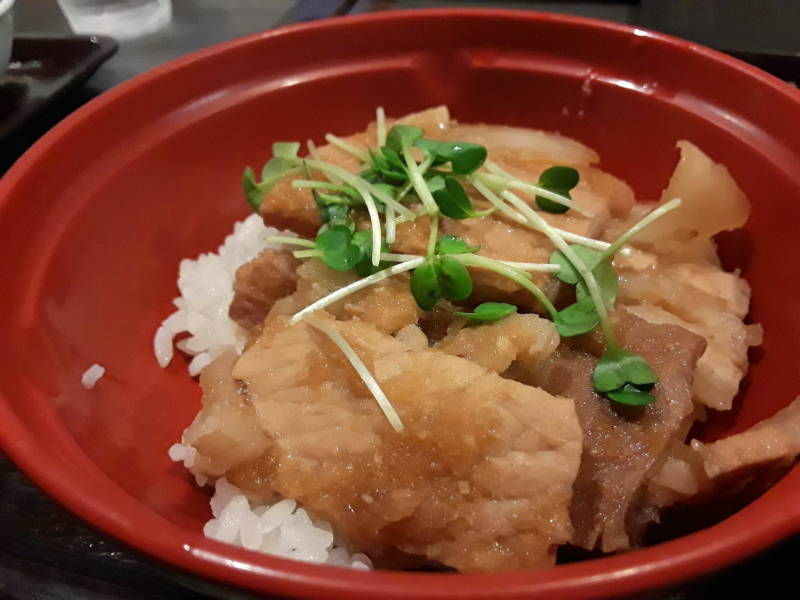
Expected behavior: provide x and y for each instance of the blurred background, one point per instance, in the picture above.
(56, 65)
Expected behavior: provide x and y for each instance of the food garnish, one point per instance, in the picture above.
(407, 177)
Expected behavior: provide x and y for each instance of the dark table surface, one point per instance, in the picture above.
(45, 552)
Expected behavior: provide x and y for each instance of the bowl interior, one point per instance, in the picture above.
(97, 217)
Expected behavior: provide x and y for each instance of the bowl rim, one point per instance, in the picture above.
(663, 564)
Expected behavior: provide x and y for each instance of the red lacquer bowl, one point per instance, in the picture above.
(95, 217)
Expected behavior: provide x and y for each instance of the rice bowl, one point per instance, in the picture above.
(70, 252)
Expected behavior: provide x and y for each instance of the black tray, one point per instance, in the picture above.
(43, 69)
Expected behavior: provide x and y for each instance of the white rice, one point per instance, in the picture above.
(92, 375)
(281, 527)
(206, 286)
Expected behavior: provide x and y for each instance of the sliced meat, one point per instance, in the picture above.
(225, 432)
(772, 440)
(622, 444)
(480, 479)
(389, 305)
(523, 146)
(712, 202)
(258, 284)
(286, 207)
(708, 302)
(527, 338)
(502, 241)
(680, 476)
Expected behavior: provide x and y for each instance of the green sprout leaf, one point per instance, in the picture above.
(284, 162)
(401, 137)
(631, 395)
(488, 312)
(337, 247)
(365, 268)
(618, 367)
(388, 166)
(576, 319)
(252, 191)
(568, 273)
(607, 281)
(454, 279)
(451, 198)
(559, 180)
(464, 157)
(331, 209)
(286, 150)
(451, 244)
(425, 285)
(603, 272)
(440, 277)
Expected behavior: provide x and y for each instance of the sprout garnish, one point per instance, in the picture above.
(369, 380)
(488, 312)
(391, 178)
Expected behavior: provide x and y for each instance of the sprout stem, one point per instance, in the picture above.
(369, 380)
(360, 185)
(307, 253)
(380, 122)
(391, 225)
(648, 218)
(415, 175)
(580, 266)
(498, 203)
(346, 146)
(506, 179)
(324, 185)
(522, 266)
(291, 240)
(433, 236)
(520, 277)
(356, 286)
(314, 154)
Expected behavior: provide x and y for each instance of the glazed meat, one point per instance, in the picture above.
(776, 439)
(225, 432)
(480, 479)
(286, 207)
(259, 284)
(527, 338)
(622, 444)
(708, 302)
(506, 450)
(388, 304)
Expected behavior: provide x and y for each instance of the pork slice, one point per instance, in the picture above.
(480, 478)
(502, 241)
(622, 444)
(389, 305)
(497, 239)
(522, 146)
(225, 432)
(258, 284)
(712, 201)
(776, 439)
(707, 301)
(286, 207)
(527, 338)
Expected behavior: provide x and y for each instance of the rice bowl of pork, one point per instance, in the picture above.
(140, 185)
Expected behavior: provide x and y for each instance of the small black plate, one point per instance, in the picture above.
(45, 68)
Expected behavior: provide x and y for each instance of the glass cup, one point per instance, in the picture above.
(121, 19)
(6, 32)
